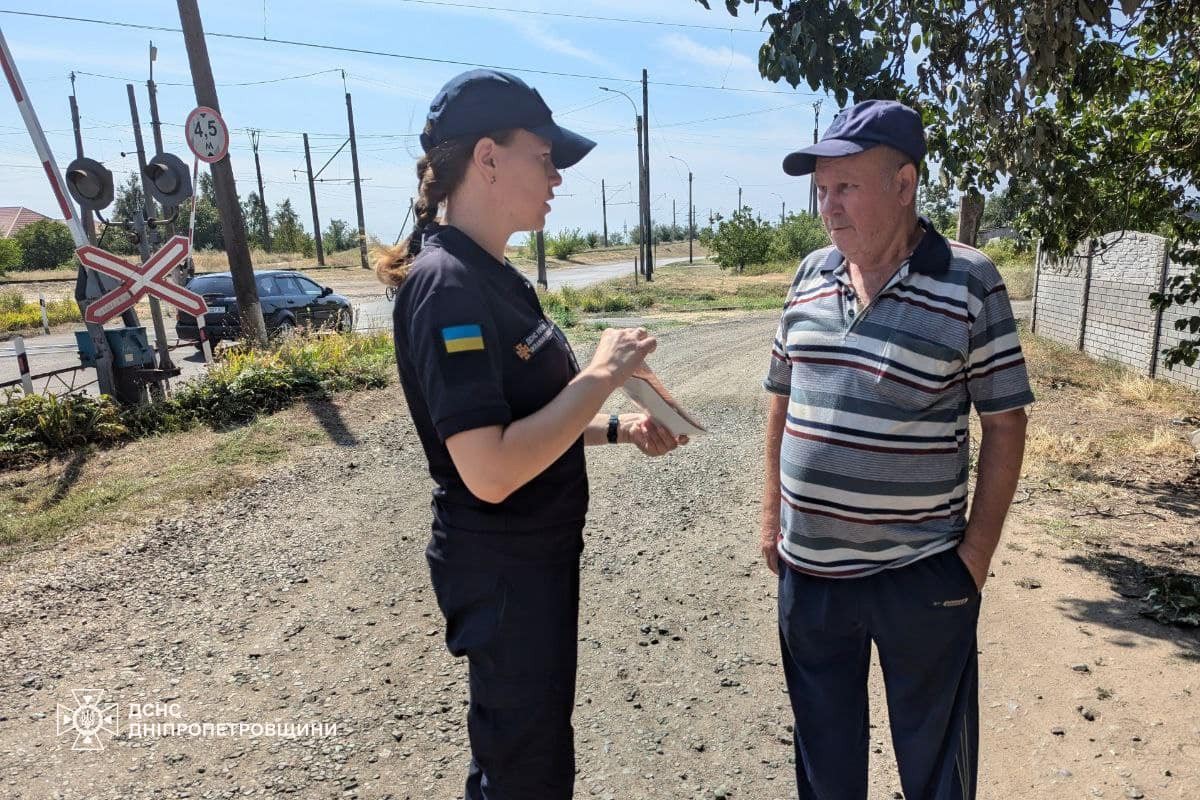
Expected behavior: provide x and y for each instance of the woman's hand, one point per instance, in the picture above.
(619, 353)
(651, 437)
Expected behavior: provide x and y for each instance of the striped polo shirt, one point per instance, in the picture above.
(876, 448)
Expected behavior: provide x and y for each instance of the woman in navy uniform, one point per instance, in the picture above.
(503, 412)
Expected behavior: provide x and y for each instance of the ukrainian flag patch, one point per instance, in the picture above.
(463, 338)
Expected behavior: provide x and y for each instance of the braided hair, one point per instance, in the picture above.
(439, 174)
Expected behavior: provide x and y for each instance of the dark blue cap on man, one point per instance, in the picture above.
(863, 126)
(488, 100)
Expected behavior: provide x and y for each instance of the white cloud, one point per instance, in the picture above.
(723, 58)
(541, 34)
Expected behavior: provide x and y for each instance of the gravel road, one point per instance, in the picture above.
(305, 599)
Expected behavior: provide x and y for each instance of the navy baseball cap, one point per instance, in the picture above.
(861, 127)
(486, 100)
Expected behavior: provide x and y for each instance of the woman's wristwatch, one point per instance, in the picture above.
(613, 422)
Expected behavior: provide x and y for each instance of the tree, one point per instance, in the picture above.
(936, 204)
(10, 255)
(1092, 104)
(743, 239)
(798, 236)
(46, 244)
(127, 204)
(252, 211)
(209, 233)
(288, 234)
(338, 236)
(1004, 208)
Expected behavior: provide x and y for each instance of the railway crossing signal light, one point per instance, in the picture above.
(90, 183)
(168, 180)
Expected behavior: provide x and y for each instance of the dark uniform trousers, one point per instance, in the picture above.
(517, 623)
(922, 618)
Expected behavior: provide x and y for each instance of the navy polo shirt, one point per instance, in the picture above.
(475, 349)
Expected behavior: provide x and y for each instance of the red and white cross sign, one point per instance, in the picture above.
(139, 280)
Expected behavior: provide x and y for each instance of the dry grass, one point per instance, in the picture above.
(704, 287)
(1097, 419)
(217, 261)
(109, 490)
(606, 255)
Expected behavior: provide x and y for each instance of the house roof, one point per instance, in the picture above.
(13, 218)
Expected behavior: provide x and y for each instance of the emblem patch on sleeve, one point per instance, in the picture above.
(463, 338)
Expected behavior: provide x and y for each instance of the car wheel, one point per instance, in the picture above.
(345, 322)
(284, 329)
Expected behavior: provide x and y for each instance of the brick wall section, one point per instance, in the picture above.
(1060, 298)
(1126, 268)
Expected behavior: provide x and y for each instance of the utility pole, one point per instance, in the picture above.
(604, 211)
(782, 211)
(262, 198)
(691, 208)
(362, 225)
(812, 178)
(541, 260)
(89, 222)
(233, 226)
(152, 89)
(89, 284)
(649, 268)
(144, 234)
(312, 198)
(187, 268)
(641, 200)
(673, 225)
(691, 220)
(404, 224)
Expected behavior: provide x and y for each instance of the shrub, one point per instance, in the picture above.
(10, 255)
(246, 384)
(743, 239)
(565, 243)
(564, 317)
(46, 244)
(798, 236)
(1004, 251)
(18, 315)
(593, 240)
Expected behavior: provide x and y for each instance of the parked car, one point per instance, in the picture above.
(289, 300)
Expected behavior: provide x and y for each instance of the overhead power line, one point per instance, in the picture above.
(392, 54)
(567, 15)
(241, 83)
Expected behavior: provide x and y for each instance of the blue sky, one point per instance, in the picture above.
(391, 96)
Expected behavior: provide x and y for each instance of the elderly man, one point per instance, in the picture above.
(887, 340)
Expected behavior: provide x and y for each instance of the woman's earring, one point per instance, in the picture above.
(493, 179)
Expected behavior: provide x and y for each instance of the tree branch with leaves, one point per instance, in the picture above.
(1090, 105)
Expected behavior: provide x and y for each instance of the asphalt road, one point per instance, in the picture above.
(58, 351)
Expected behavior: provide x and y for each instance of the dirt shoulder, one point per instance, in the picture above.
(303, 597)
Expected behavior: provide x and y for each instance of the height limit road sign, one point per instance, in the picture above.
(207, 135)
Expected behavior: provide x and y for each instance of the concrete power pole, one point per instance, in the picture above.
(604, 211)
(362, 225)
(649, 258)
(233, 226)
(262, 198)
(312, 199)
